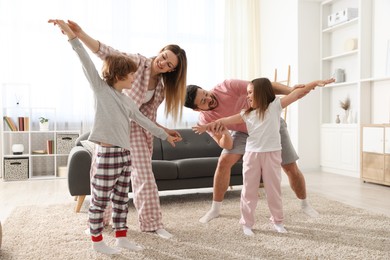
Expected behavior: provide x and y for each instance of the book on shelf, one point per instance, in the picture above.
(23, 122)
(26, 123)
(10, 123)
(50, 146)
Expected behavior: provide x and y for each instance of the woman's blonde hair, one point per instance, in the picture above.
(117, 67)
(175, 84)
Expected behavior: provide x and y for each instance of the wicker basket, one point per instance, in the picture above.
(15, 169)
(65, 142)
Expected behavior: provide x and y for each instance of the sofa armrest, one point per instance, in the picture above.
(79, 165)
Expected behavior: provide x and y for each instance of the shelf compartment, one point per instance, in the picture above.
(11, 138)
(16, 169)
(42, 166)
(341, 55)
(341, 25)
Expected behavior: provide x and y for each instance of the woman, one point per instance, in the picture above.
(156, 78)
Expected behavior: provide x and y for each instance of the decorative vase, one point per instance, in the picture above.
(350, 117)
(337, 119)
(345, 118)
(44, 126)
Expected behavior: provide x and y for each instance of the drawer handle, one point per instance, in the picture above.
(66, 138)
(15, 163)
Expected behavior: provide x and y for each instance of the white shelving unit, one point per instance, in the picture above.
(364, 72)
(340, 142)
(42, 163)
(37, 161)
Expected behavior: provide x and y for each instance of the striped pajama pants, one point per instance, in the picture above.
(110, 184)
(108, 211)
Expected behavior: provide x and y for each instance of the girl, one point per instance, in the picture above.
(262, 158)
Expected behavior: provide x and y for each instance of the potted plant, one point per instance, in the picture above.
(43, 124)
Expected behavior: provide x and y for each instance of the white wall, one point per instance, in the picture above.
(380, 95)
(290, 36)
(278, 48)
(309, 70)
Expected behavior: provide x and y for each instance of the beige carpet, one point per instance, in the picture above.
(341, 232)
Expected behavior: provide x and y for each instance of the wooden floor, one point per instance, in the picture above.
(352, 191)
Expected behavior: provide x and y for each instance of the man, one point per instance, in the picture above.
(229, 98)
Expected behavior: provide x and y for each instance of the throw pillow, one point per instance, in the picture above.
(90, 146)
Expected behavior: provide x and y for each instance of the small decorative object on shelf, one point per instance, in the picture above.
(342, 16)
(337, 119)
(43, 124)
(350, 44)
(17, 149)
(339, 75)
(346, 105)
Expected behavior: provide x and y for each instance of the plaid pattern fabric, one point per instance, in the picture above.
(110, 183)
(108, 211)
(146, 198)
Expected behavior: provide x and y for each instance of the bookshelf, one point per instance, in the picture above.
(29, 151)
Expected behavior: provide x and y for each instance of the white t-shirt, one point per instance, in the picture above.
(264, 134)
(148, 96)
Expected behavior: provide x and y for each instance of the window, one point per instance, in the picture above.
(36, 54)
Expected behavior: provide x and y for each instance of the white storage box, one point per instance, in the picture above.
(62, 171)
(342, 16)
(15, 169)
(65, 142)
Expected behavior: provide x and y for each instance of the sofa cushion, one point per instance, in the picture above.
(193, 145)
(164, 170)
(157, 149)
(196, 167)
(88, 145)
(237, 168)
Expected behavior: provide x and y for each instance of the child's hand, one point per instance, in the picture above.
(216, 127)
(75, 27)
(171, 139)
(322, 83)
(199, 129)
(65, 29)
(175, 134)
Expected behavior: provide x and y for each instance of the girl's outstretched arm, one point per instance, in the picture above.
(301, 92)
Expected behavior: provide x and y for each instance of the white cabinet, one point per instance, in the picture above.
(375, 154)
(373, 139)
(387, 140)
(343, 159)
(29, 152)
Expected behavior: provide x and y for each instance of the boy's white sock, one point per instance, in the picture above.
(101, 247)
(280, 228)
(163, 233)
(247, 231)
(308, 210)
(212, 213)
(123, 242)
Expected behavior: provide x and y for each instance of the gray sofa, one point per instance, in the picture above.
(189, 165)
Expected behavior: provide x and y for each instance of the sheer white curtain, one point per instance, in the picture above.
(242, 39)
(35, 53)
